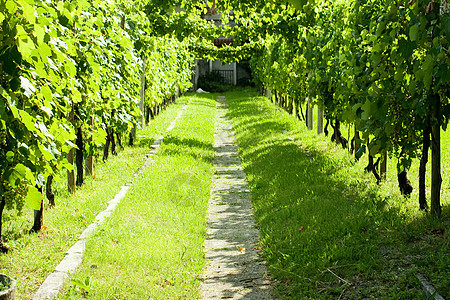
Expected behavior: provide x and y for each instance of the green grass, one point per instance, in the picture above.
(32, 257)
(327, 230)
(151, 247)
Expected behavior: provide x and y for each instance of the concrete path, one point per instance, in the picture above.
(234, 270)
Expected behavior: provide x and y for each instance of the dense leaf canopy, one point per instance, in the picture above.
(379, 64)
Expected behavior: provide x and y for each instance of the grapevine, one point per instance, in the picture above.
(69, 80)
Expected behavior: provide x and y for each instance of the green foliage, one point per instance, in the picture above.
(327, 230)
(5, 283)
(207, 51)
(379, 65)
(73, 213)
(83, 285)
(168, 69)
(83, 57)
(213, 82)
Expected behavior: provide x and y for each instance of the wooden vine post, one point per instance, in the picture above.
(269, 94)
(142, 94)
(79, 151)
(357, 142)
(70, 158)
(309, 114)
(383, 166)
(319, 121)
(89, 165)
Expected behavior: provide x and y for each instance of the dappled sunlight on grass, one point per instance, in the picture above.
(151, 247)
(327, 229)
(34, 256)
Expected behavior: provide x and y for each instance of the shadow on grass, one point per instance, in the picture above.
(198, 149)
(325, 231)
(188, 146)
(198, 99)
(145, 141)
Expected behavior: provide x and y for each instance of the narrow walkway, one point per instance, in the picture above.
(234, 269)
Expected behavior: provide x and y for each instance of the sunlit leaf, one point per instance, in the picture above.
(34, 198)
(27, 120)
(27, 86)
(414, 33)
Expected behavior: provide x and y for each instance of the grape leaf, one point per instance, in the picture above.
(298, 4)
(34, 198)
(28, 87)
(11, 6)
(406, 48)
(414, 33)
(28, 12)
(16, 175)
(27, 120)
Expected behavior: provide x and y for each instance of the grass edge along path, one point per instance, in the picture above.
(234, 268)
(32, 257)
(151, 247)
(327, 231)
(74, 256)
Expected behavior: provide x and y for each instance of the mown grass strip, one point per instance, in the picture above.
(34, 256)
(327, 230)
(74, 256)
(151, 247)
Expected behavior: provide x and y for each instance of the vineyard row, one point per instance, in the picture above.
(75, 77)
